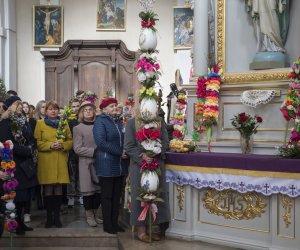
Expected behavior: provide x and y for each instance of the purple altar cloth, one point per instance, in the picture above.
(235, 161)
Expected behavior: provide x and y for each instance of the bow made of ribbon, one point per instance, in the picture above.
(146, 207)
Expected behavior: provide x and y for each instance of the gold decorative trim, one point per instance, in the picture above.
(200, 220)
(243, 77)
(191, 88)
(180, 197)
(252, 173)
(287, 204)
(279, 234)
(233, 205)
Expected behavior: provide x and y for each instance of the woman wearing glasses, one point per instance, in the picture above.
(84, 146)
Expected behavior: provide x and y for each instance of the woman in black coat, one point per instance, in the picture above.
(14, 127)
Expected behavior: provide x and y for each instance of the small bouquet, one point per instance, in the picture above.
(291, 111)
(65, 117)
(246, 124)
(148, 19)
(147, 69)
(88, 96)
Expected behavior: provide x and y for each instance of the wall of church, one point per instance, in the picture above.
(80, 23)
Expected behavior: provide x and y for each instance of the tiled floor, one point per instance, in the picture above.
(74, 218)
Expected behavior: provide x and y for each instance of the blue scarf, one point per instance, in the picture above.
(51, 123)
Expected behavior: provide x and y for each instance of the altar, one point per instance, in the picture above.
(246, 201)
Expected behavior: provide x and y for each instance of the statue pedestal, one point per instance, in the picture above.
(269, 60)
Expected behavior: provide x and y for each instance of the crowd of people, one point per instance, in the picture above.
(90, 163)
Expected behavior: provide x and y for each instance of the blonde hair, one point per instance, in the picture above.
(37, 112)
(80, 114)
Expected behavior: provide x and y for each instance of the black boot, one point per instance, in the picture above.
(24, 227)
(48, 202)
(19, 208)
(57, 204)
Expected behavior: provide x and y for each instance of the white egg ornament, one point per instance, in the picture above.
(148, 109)
(149, 181)
(148, 39)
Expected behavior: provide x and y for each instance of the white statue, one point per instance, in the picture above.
(271, 21)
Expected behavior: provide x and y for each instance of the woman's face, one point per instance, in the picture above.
(1, 108)
(25, 108)
(88, 113)
(19, 108)
(43, 109)
(111, 109)
(52, 112)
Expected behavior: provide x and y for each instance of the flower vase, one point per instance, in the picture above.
(246, 142)
(148, 39)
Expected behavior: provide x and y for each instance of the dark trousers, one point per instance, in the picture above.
(111, 190)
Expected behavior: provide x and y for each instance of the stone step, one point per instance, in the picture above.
(61, 248)
(62, 237)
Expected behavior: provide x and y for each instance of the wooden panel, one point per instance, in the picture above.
(64, 91)
(95, 77)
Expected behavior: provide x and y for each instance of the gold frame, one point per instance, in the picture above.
(280, 75)
(98, 27)
(174, 43)
(36, 18)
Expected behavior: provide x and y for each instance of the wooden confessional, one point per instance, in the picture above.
(89, 65)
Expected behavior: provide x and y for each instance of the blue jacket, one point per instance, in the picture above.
(109, 140)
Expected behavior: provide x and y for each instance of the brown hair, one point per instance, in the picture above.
(53, 104)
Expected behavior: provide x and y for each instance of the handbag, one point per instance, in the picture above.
(28, 168)
(93, 174)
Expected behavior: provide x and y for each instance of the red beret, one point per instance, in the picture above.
(106, 101)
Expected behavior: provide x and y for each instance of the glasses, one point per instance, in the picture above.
(88, 110)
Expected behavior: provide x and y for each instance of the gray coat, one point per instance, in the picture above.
(134, 150)
(84, 146)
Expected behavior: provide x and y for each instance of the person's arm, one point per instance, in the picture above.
(78, 147)
(68, 143)
(99, 131)
(42, 145)
(130, 143)
(164, 139)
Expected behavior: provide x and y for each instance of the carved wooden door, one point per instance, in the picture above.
(96, 66)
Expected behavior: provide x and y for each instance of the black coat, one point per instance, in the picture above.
(20, 152)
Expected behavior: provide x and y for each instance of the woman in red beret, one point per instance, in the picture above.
(110, 165)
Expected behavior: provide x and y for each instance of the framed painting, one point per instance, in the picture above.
(183, 27)
(47, 26)
(111, 15)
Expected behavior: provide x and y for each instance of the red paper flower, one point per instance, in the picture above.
(243, 117)
(177, 134)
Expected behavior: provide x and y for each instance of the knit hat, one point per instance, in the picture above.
(106, 101)
(10, 100)
(86, 103)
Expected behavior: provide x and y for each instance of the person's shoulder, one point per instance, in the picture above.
(77, 127)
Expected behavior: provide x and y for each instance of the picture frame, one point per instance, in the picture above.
(111, 15)
(231, 78)
(47, 26)
(183, 17)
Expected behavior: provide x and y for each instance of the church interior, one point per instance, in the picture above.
(225, 77)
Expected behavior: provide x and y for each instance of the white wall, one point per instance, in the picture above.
(80, 23)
